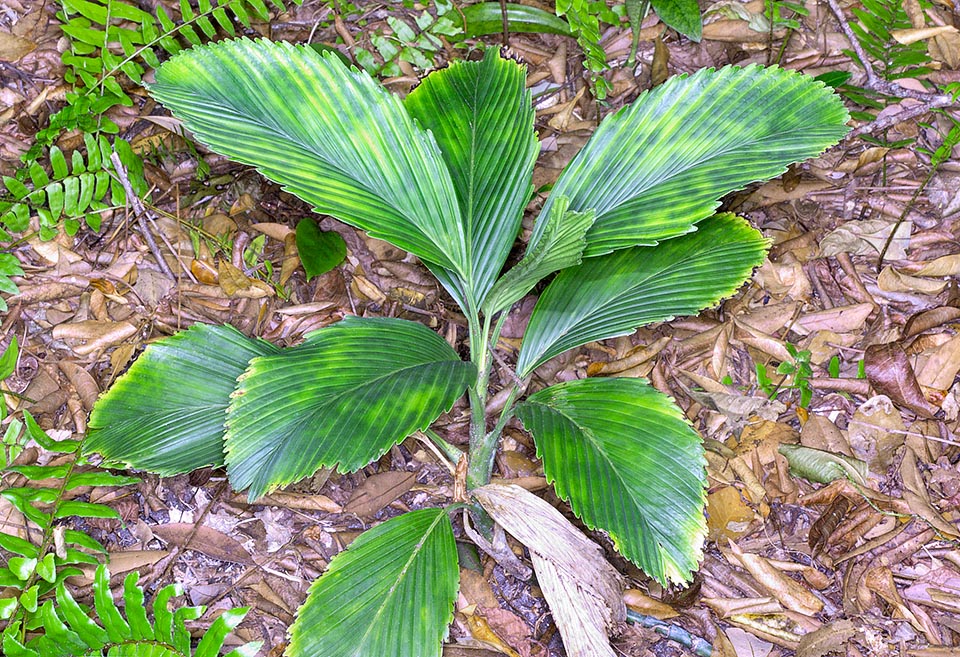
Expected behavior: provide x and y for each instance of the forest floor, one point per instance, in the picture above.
(790, 567)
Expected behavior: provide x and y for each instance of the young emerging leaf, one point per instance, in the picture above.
(614, 294)
(343, 398)
(482, 118)
(561, 247)
(625, 458)
(654, 169)
(166, 414)
(329, 134)
(390, 593)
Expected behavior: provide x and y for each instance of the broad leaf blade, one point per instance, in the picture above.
(319, 251)
(390, 593)
(329, 134)
(481, 115)
(657, 167)
(625, 458)
(562, 245)
(343, 398)
(614, 294)
(681, 15)
(166, 414)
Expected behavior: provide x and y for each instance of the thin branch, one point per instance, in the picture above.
(141, 214)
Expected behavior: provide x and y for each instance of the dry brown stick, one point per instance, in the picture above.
(141, 213)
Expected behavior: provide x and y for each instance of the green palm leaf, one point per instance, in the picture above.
(562, 245)
(390, 593)
(343, 398)
(655, 168)
(626, 459)
(329, 134)
(482, 118)
(614, 294)
(166, 414)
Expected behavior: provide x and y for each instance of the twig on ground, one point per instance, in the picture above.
(929, 101)
(141, 213)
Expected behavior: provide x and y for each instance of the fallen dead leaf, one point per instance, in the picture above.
(868, 238)
(918, 498)
(584, 591)
(790, 593)
(643, 603)
(207, 540)
(889, 372)
(831, 638)
(876, 432)
(377, 491)
(13, 47)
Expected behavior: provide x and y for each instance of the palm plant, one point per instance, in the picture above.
(446, 175)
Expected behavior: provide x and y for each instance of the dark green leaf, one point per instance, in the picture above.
(483, 18)
(166, 414)
(371, 383)
(390, 593)
(320, 251)
(614, 294)
(628, 462)
(657, 167)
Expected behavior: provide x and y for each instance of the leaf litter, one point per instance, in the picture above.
(867, 564)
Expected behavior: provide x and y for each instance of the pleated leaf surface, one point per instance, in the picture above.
(390, 593)
(482, 118)
(561, 246)
(612, 295)
(329, 134)
(342, 398)
(166, 414)
(628, 462)
(657, 167)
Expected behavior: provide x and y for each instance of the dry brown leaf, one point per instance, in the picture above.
(481, 631)
(377, 491)
(762, 341)
(790, 593)
(235, 283)
(930, 319)
(727, 607)
(819, 432)
(661, 60)
(583, 590)
(889, 372)
(291, 258)
(97, 335)
(891, 280)
(207, 540)
(948, 265)
(916, 495)
(939, 369)
(842, 319)
(876, 432)
(946, 48)
(906, 37)
(784, 279)
(13, 47)
(831, 638)
(83, 382)
(274, 231)
(477, 590)
(746, 643)
(867, 238)
(643, 603)
(728, 516)
(294, 501)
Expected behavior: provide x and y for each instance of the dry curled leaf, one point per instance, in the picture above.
(584, 591)
(890, 374)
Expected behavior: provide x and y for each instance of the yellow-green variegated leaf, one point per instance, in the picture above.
(343, 398)
(329, 134)
(654, 169)
(166, 413)
(612, 295)
(628, 462)
(482, 118)
(561, 247)
(390, 593)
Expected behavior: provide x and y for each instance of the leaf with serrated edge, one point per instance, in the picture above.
(628, 462)
(390, 593)
(370, 384)
(654, 169)
(328, 134)
(614, 294)
(166, 414)
(481, 115)
(584, 591)
(561, 247)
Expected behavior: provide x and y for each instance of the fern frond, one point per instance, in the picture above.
(69, 630)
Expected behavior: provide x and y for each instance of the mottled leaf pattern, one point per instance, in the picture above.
(614, 294)
(331, 135)
(390, 593)
(482, 118)
(342, 398)
(627, 460)
(654, 169)
(166, 414)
